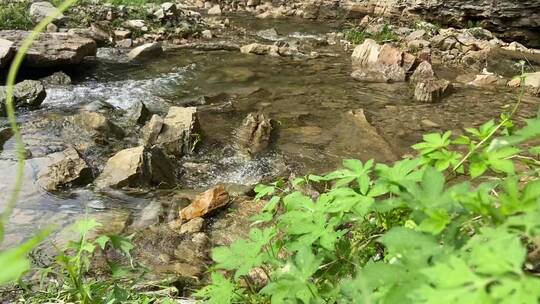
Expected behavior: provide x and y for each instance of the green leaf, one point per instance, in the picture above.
(221, 291)
(409, 247)
(84, 226)
(436, 221)
(14, 262)
(495, 251)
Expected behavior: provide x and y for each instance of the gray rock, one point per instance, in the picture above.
(146, 51)
(43, 9)
(432, 90)
(136, 167)
(6, 52)
(253, 136)
(26, 94)
(57, 78)
(5, 134)
(67, 169)
(52, 49)
(139, 113)
(268, 34)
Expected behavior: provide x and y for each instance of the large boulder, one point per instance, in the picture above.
(52, 49)
(26, 94)
(43, 9)
(178, 132)
(67, 169)
(253, 136)
(375, 63)
(136, 167)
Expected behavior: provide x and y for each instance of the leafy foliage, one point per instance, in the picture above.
(401, 233)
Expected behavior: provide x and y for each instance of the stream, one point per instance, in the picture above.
(309, 98)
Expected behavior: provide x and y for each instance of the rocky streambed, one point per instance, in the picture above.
(170, 147)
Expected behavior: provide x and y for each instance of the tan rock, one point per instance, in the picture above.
(205, 203)
(67, 169)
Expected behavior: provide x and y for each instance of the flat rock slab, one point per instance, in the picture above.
(52, 49)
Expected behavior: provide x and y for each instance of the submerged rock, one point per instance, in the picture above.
(26, 94)
(486, 80)
(253, 136)
(432, 90)
(68, 168)
(136, 167)
(52, 49)
(146, 51)
(205, 203)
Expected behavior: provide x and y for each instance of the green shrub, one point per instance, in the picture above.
(14, 16)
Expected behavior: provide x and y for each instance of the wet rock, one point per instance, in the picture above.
(179, 132)
(57, 78)
(26, 94)
(260, 49)
(205, 203)
(146, 51)
(253, 136)
(214, 10)
(531, 83)
(423, 72)
(432, 90)
(371, 135)
(152, 129)
(67, 169)
(97, 124)
(52, 49)
(5, 134)
(268, 34)
(374, 63)
(135, 167)
(6, 52)
(139, 113)
(150, 215)
(486, 80)
(43, 9)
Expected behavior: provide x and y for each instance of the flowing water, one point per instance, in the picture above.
(308, 98)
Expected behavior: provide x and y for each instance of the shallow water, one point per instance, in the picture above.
(309, 99)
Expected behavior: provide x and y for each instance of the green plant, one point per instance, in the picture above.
(67, 278)
(358, 35)
(401, 233)
(14, 16)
